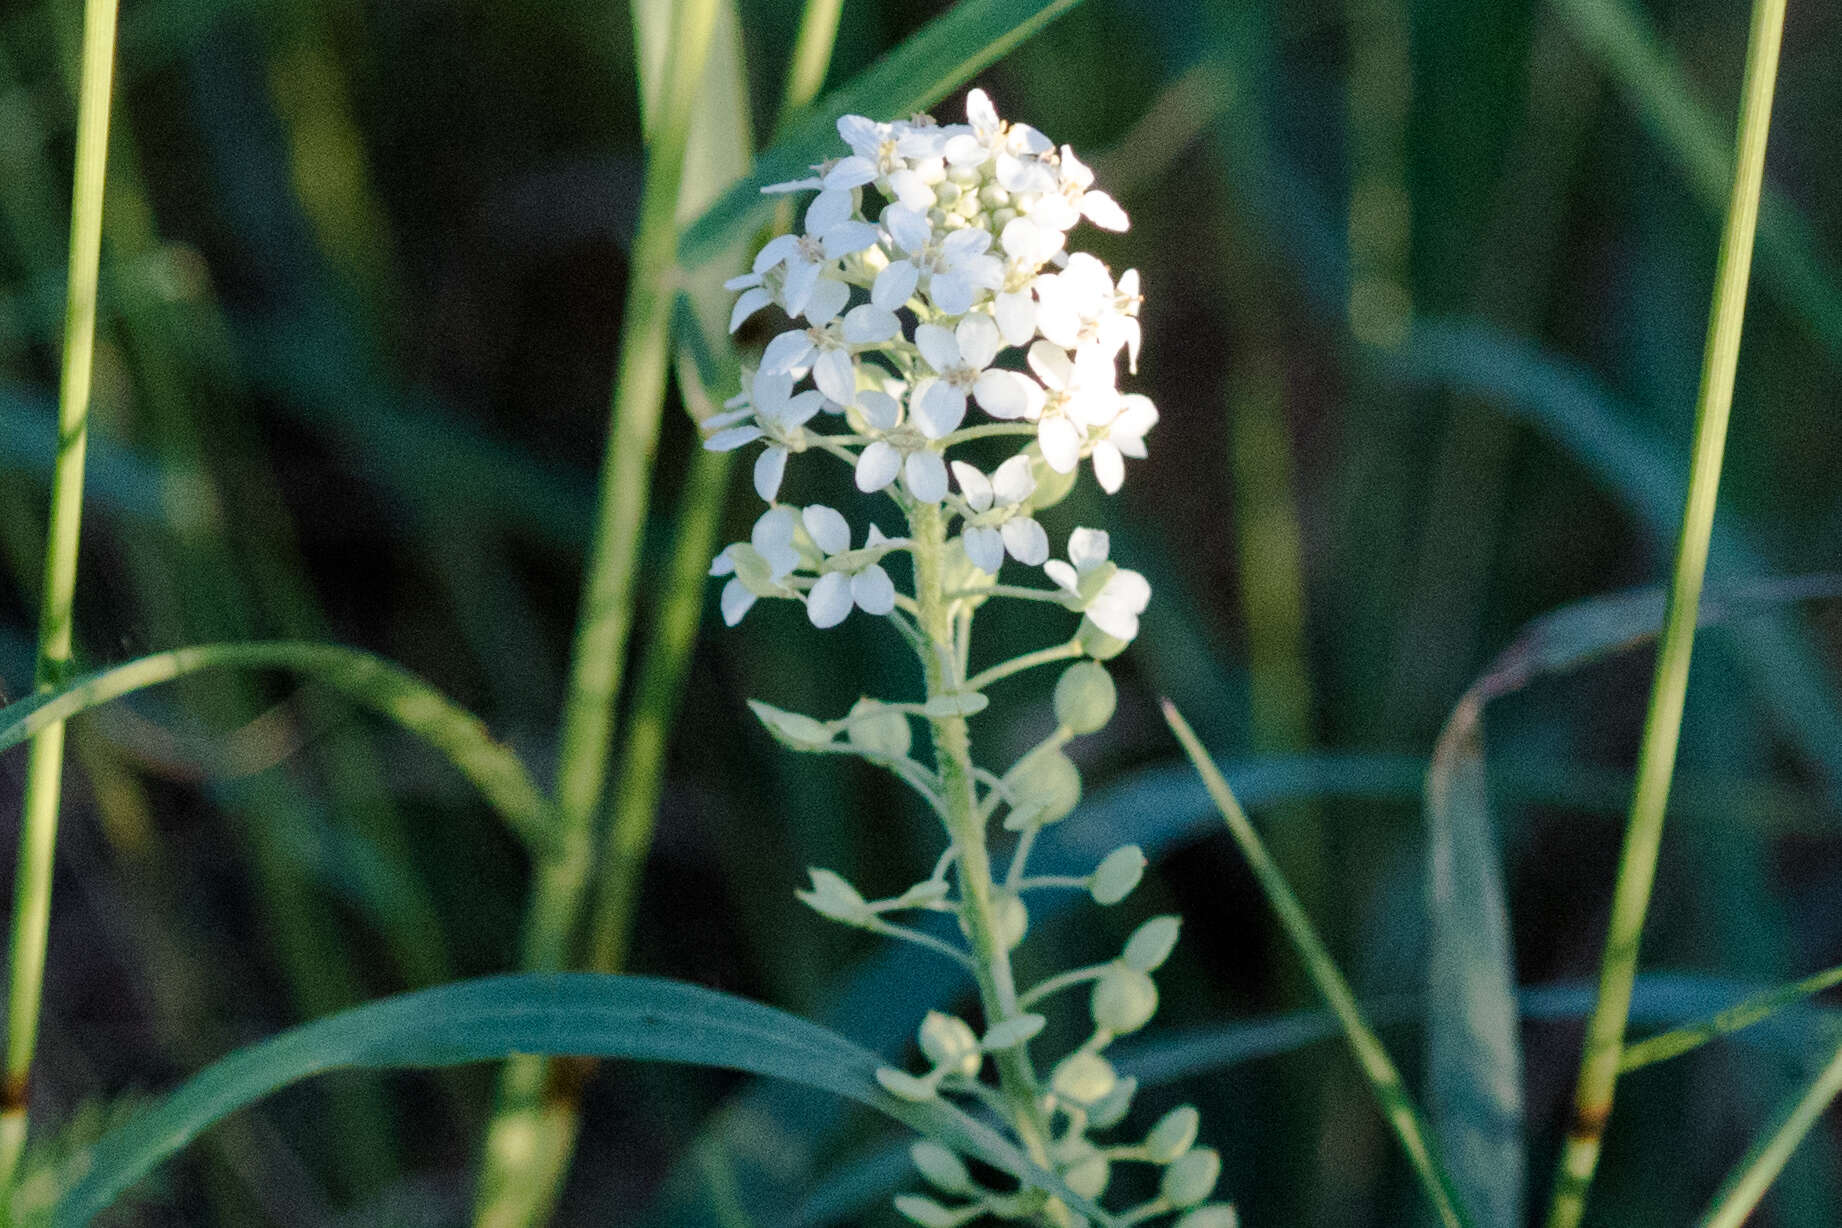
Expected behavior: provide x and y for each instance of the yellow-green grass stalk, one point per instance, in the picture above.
(659, 683)
(1739, 1195)
(529, 1138)
(45, 762)
(1741, 1015)
(1605, 1027)
(1384, 1079)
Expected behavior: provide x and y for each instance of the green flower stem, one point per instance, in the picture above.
(1754, 1174)
(1061, 981)
(1378, 1068)
(1605, 1028)
(966, 828)
(1762, 1005)
(528, 1142)
(45, 762)
(1029, 660)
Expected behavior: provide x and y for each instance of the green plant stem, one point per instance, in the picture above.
(1760, 1006)
(1605, 1028)
(45, 763)
(966, 828)
(528, 1141)
(1384, 1079)
(1753, 1176)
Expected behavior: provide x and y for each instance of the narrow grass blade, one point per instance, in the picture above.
(1740, 1194)
(1759, 1007)
(580, 1015)
(1378, 1068)
(941, 56)
(368, 681)
(1605, 1028)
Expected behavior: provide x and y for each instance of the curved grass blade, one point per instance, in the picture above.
(1755, 1009)
(579, 1014)
(1740, 1194)
(367, 680)
(941, 56)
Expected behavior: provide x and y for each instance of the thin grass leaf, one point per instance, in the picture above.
(367, 680)
(1740, 1194)
(937, 59)
(577, 1014)
(1735, 1018)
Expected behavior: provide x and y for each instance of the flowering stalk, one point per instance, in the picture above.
(931, 277)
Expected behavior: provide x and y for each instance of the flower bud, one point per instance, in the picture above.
(1045, 787)
(1111, 1109)
(1085, 697)
(1174, 1134)
(1191, 1176)
(904, 1086)
(1012, 1032)
(877, 729)
(1083, 1077)
(1084, 1167)
(1214, 1215)
(1097, 643)
(1124, 1000)
(925, 1211)
(951, 1044)
(1011, 918)
(940, 1168)
(1151, 943)
(790, 729)
(832, 897)
(1116, 876)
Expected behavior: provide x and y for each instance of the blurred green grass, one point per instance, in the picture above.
(361, 289)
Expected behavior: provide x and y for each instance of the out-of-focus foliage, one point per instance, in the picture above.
(362, 274)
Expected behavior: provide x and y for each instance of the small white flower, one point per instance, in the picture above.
(996, 522)
(1125, 436)
(831, 234)
(1081, 308)
(848, 578)
(779, 416)
(1011, 149)
(959, 358)
(1074, 197)
(827, 351)
(951, 266)
(1080, 394)
(759, 566)
(900, 451)
(1027, 247)
(1111, 596)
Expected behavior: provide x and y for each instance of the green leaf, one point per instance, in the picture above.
(579, 1014)
(940, 57)
(367, 680)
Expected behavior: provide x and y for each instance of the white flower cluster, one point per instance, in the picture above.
(958, 291)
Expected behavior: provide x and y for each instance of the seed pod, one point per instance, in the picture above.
(904, 1086)
(949, 1042)
(1083, 1078)
(1214, 1215)
(1085, 697)
(925, 1211)
(832, 897)
(1116, 876)
(1191, 1176)
(1174, 1134)
(1111, 1109)
(1124, 1000)
(1044, 787)
(940, 1167)
(877, 729)
(1151, 943)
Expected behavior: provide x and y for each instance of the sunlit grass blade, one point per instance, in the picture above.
(1739, 1195)
(581, 1015)
(1605, 1029)
(934, 61)
(1741, 1015)
(368, 681)
(1378, 1068)
(45, 766)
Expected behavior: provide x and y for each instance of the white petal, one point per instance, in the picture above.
(1119, 623)
(859, 132)
(830, 600)
(938, 408)
(1026, 242)
(1015, 311)
(925, 475)
(828, 209)
(836, 376)
(979, 341)
(975, 486)
(1054, 211)
(984, 546)
(1026, 541)
(979, 111)
(727, 419)
(848, 237)
(964, 149)
(1003, 394)
(873, 591)
(828, 297)
(1060, 443)
(743, 282)
(964, 244)
(1051, 364)
(733, 438)
(1109, 467)
(951, 293)
(937, 345)
(895, 285)
(769, 466)
(908, 227)
(737, 601)
(723, 564)
(1029, 140)
(877, 466)
(1013, 481)
(775, 251)
(1103, 211)
(983, 272)
(880, 409)
(912, 192)
(787, 352)
(851, 172)
(1063, 575)
(869, 324)
(1087, 548)
(827, 527)
(802, 276)
(750, 302)
(799, 410)
(1128, 590)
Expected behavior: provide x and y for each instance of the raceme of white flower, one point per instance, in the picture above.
(937, 309)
